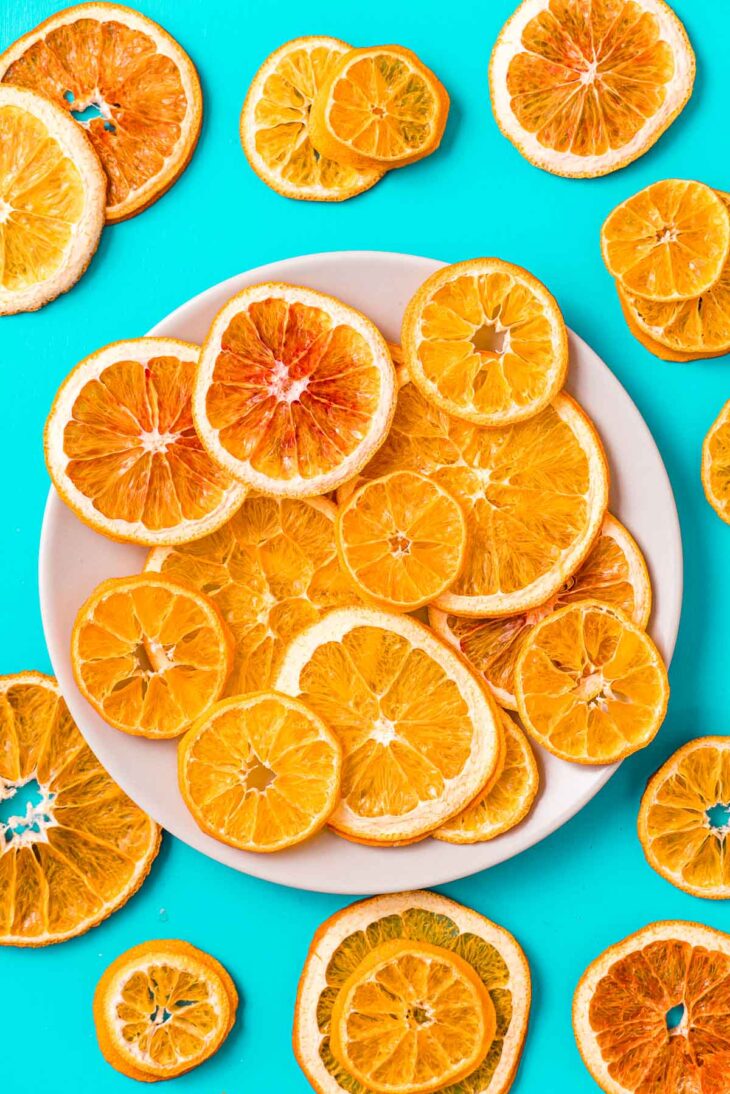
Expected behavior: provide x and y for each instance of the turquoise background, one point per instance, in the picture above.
(588, 885)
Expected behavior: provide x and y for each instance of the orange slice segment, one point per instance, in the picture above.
(149, 654)
(295, 390)
(716, 464)
(81, 848)
(582, 89)
(591, 686)
(122, 450)
(484, 340)
(141, 86)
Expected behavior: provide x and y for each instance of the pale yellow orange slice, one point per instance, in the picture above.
(716, 464)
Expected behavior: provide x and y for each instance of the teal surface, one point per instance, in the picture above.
(588, 885)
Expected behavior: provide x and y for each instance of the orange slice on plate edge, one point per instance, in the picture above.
(584, 89)
(141, 85)
(122, 450)
(84, 848)
(716, 464)
(275, 125)
(52, 201)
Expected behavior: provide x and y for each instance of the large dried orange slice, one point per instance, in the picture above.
(122, 450)
(684, 819)
(78, 848)
(260, 772)
(614, 571)
(52, 201)
(484, 340)
(149, 654)
(591, 686)
(716, 464)
(295, 390)
(583, 88)
(420, 736)
(651, 1013)
(275, 125)
(162, 1008)
(131, 87)
(427, 955)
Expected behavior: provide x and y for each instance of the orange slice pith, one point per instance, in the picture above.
(345, 942)
(85, 848)
(716, 464)
(142, 83)
(379, 107)
(295, 390)
(122, 450)
(484, 340)
(149, 654)
(591, 686)
(668, 242)
(622, 1003)
(583, 89)
(260, 772)
(683, 824)
(162, 1008)
(275, 125)
(52, 200)
(419, 735)
(614, 571)
(402, 540)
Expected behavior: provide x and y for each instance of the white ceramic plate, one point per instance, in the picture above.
(73, 559)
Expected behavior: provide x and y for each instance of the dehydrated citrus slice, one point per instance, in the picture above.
(716, 464)
(378, 108)
(122, 450)
(345, 954)
(402, 540)
(52, 200)
(295, 390)
(651, 1013)
(80, 848)
(614, 571)
(271, 571)
(484, 340)
(149, 654)
(131, 87)
(669, 242)
(260, 772)
(658, 349)
(581, 89)
(275, 125)
(419, 735)
(162, 1008)
(591, 686)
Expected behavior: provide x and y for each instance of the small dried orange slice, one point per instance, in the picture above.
(651, 1012)
(122, 450)
(716, 464)
(149, 654)
(378, 108)
(162, 1008)
(658, 349)
(140, 85)
(295, 390)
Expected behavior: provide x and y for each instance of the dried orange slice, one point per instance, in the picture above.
(52, 201)
(581, 89)
(139, 84)
(716, 464)
(658, 349)
(416, 948)
(162, 1008)
(484, 340)
(651, 1012)
(419, 735)
(260, 772)
(378, 108)
(614, 571)
(149, 654)
(275, 125)
(402, 540)
(669, 242)
(122, 450)
(591, 686)
(81, 848)
(295, 390)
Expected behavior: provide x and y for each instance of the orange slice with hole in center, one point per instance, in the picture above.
(716, 464)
